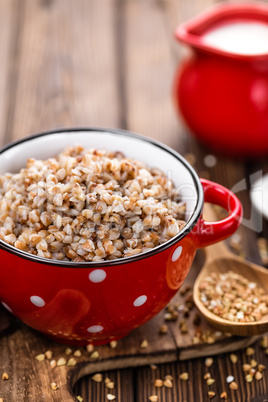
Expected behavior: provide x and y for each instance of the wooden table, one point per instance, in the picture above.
(111, 63)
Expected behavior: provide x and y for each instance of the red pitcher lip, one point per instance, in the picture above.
(192, 31)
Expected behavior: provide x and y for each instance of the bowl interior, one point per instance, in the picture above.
(15, 156)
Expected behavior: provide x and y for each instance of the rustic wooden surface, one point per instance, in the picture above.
(109, 63)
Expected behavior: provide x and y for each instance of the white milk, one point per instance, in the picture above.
(248, 38)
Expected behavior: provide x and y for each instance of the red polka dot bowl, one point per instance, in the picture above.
(96, 302)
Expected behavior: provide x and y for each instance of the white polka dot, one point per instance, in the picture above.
(95, 328)
(96, 276)
(37, 301)
(176, 254)
(210, 160)
(140, 301)
(7, 307)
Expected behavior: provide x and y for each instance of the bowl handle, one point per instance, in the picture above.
(208, 233)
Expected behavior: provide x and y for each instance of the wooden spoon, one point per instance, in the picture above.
(220, 260)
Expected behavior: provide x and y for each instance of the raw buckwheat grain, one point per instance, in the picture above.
(233, 297)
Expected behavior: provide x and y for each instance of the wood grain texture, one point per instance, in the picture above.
(66, 72)
(149, 73)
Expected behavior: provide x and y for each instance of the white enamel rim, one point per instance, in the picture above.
(125, 260)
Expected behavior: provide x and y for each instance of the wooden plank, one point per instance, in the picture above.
(149, 73)
(10, 25)
(67, 66)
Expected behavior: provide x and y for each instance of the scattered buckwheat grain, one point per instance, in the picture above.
(54, 386)
(71, 362)
(210, 381)
(246, 367)
(233, 358)
(184, 376)
(144, 344)
(211, 394)
(61, 362)
(111, 397)
(250, 351)
(94, 355)
(68, 351)
(110, 384)
(249, 378)
(258, 376)
(97, 377)
(264, 342)
(48, 354)
(208, 362)
(153, 398)
(113, 344)
(229, 379)
(168, 383)
(163, 329)
(158, 383)
(89, 348)
(233, 385)
(53, 363)
(40, 357)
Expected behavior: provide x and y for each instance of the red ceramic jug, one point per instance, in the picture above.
(222, 92)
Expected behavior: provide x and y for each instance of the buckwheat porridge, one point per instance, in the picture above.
(88, 205)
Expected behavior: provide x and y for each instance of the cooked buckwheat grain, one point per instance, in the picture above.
(88, 205)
